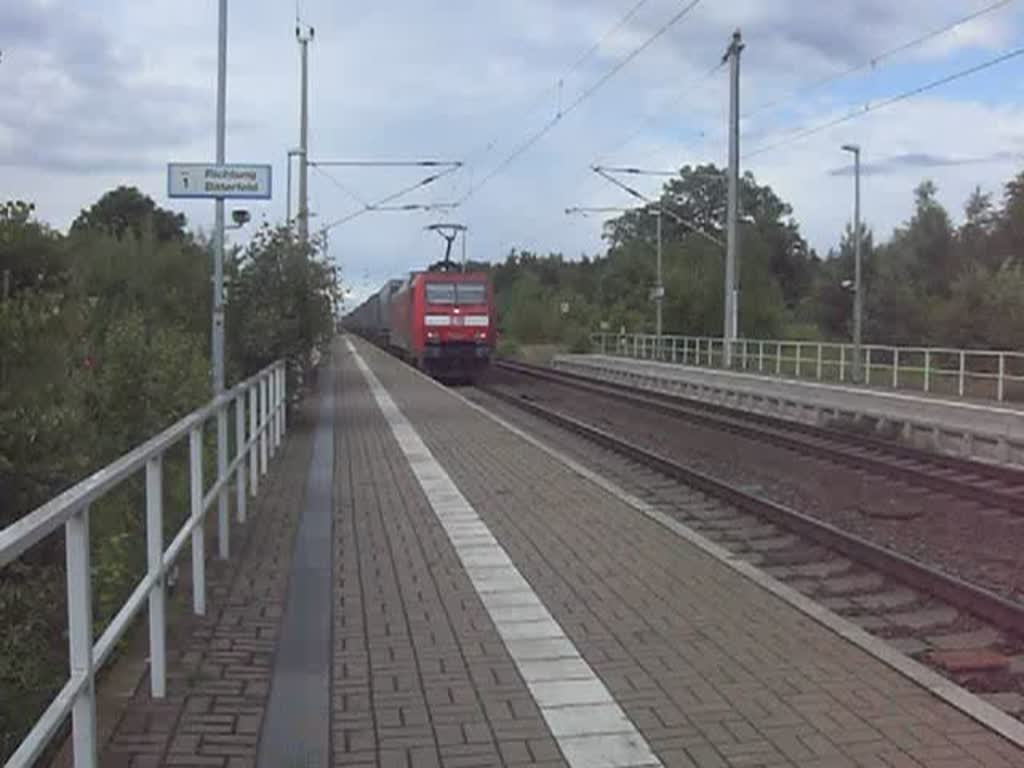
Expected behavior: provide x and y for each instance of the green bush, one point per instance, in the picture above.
(282, 303)
(508, 348)
(104, 342)
(579, 342)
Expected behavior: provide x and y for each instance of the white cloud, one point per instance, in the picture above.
(931, 127)
(109, 91)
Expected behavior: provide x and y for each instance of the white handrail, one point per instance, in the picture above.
(70, 509)
(967, 373)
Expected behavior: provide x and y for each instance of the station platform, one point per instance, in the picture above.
(425, 586)
(985, 431)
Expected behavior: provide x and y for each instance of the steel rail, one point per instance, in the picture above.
(773, 430)
(967, 597)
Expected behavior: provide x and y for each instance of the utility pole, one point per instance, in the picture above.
(659, 290)
(732, 277)
(218, 280)
(288, 192)
(304, 36)
(858, 293)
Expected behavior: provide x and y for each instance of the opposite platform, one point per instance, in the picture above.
(986, 431)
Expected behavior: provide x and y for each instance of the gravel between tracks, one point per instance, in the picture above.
(983, 546)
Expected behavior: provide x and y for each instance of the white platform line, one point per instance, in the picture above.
(591, 729)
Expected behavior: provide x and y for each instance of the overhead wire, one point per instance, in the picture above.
(348, 191)
(559, 83)
(696, 82)
(523, 147)
(645, 172)
(379, 204)
(387, 163)
(874, 61)
(683, 93)
(622, 22)
(802, 133)
(657, 203)
(675, 19)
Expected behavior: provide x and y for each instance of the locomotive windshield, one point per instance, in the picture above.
(456, 293)
(471, 293)
(440, 293)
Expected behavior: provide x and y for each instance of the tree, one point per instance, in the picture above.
(167, 282)
(831, 300)
(986, 308)
(777, 267)
(926, 243)
(281, 301)
(125, 211)
(975, 238)
(31, 254)
(1009, 229)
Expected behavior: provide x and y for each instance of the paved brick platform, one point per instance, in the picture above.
(421, 677)
(713, 670)
(705, 667)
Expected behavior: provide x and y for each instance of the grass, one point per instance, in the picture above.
(537, 354)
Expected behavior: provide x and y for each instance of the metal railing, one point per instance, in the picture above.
(262, 399)
(966, 373)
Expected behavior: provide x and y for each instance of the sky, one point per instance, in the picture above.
(97, 93)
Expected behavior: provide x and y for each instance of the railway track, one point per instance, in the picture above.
(970, 634)
(989, 485)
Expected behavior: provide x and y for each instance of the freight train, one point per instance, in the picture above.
(441, 320)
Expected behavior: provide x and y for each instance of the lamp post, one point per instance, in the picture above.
(858, 293)
(659, 290)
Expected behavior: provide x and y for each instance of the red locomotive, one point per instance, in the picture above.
(441, 321)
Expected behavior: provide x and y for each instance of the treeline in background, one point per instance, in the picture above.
(104, 342)
(931, 283)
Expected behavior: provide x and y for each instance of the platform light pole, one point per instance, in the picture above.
(858, 293)
(217, 340)
(732, 279)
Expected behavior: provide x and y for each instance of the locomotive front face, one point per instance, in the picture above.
(457, 312)
(457, 324)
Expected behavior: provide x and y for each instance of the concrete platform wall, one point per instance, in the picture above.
(987, 433)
